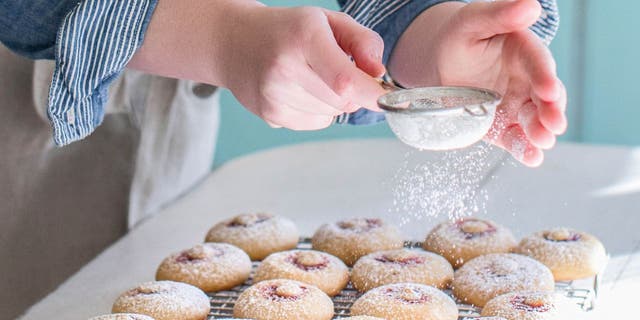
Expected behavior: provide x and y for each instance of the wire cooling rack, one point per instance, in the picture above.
(582, 292)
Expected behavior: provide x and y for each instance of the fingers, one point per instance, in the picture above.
(552, 113)
(483, 20)
(363, 44)
(336, 69)
(278, 116)
(273, 125)
(515, 141)
(306, 90)
(539, 65)
(302, 100)
(293, 107)
(537, 133)
(314, 86)
(547, 91)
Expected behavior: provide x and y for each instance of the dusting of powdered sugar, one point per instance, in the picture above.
(449, 185)
(485, 277)
(122, 316)
(163, 300)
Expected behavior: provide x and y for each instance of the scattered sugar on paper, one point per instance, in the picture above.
(450, 185)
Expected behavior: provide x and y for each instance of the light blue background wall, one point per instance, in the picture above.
(597, 53)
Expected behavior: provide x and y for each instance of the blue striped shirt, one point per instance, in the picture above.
(93, 40)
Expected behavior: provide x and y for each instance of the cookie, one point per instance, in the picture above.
(122, 316)
(354, 238)
(210, 266)
(462, 240)
(485, 277)
(283, 299)
(401, 265)
(406, 301)
(259, 234)
(317, 268)
(164, 300)
(528, 305)
(570, 254)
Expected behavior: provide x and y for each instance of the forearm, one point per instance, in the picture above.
(191, 39)
(412, 62)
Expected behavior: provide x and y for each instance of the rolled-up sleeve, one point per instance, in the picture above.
(390, 18)
(91, 41)
(95, 42)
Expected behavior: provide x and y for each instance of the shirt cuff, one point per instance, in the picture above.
(547, 25)
(94, 44)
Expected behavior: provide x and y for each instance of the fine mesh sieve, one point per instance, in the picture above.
(439, 118)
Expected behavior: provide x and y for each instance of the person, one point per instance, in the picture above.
(301, 68)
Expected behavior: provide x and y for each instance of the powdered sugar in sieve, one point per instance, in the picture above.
(439, 118)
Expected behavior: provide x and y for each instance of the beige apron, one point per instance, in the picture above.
(59, 207)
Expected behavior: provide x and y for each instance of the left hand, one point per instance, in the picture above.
(489, 45)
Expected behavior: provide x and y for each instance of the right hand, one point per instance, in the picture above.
(292, 66)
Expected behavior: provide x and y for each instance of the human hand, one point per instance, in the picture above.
(488, 44)
(292, 66)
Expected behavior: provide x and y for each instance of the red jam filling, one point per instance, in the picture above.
(295, 260)
(521, 303)
(408, 295)
(142, 291)
(472, 235)
(360, 226)
(187, 256)
(414, 260)
(573, 237)
(271, 293)
(258, 219)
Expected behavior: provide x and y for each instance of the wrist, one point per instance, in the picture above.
(237, 44)
(414, 59)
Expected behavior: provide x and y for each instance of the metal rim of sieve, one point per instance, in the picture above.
(390, 101)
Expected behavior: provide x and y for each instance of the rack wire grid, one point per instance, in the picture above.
(583, 292)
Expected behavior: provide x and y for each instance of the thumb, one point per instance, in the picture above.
(483, 20)
(361, 43)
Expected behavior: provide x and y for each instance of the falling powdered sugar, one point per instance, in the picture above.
(450, 184)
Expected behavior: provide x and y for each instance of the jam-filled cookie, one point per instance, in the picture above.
(406, 301)
(283, 299)
(462, 240)
(570, 254)
(401, 265)
(122, 316)
(258, 234)
(354, 238)
(527, 305)
(209, 266)
(164, 300)
(485, 277)
(320, 269)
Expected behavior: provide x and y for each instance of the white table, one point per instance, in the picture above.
(596, 189)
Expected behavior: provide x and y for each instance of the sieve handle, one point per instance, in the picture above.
(387, 83)
(483, 112)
